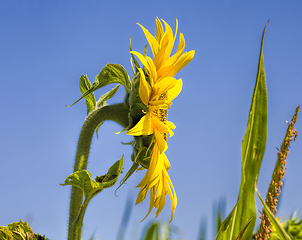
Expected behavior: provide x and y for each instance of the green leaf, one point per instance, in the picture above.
(111, 73)
(243, 230)
(279, 229)
(102, 101)
(83, 180)
(226, 227)
(85, 85)
(133, 168)
(253, 148)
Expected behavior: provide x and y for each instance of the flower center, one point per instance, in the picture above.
(162, 114)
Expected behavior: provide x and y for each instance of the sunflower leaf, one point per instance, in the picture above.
(83, 180)
(102, 100)
(133, 168)
(85, 85)
(111, 73)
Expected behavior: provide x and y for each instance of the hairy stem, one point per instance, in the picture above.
(78, 223)
(117, 113)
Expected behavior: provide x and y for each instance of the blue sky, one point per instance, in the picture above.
(46, 45)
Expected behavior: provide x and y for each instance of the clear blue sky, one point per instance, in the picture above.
(46, 45)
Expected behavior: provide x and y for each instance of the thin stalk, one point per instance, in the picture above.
(276, 183)
(117, 113)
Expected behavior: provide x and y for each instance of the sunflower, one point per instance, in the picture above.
(157, 89)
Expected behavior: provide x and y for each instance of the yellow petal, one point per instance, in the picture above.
(162, 72)
(181, 62)
(141, 195)
(161, 142)
(142, 59)
(163, 86)
(181, 45)
(143, 127)
(151, 203)
(152, 166)
(154, 176)
(176, 29)
(144, 88)
(161, 202)
(166, 162)
(151, 40)
(172, 196)
(152, 71)
(159, 59)
(180, 49)
(171, 70)
(159, 30)
(173, 93)
(170, 39)
(160, 185)
(159, 104)
(170, 126)
(159, 126)
(168, 29)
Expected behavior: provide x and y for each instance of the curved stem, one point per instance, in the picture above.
(117, 113)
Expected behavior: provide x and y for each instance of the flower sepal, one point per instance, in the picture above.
(136, 107)
(141, 156)
(137, 111)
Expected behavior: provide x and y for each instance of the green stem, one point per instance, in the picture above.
(117, 113)
(78, 223)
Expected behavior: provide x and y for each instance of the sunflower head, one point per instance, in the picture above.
(153, 90)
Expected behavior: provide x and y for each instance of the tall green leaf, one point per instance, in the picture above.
(111, 73)
(253, 148)
(243, 230)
